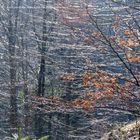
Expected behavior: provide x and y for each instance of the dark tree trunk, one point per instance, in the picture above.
(39, 115)
(12, 37)
(26, 95)
(13, 92)
(41, 78)
(13, 97)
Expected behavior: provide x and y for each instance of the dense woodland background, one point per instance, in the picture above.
(69, 69)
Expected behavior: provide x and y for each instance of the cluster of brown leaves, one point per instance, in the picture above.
(102, 81)
(105, 86)
(67, 77)
(127, 43)
(128, 33)
(85, 104)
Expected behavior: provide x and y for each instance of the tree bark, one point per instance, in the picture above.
(13, 92)
(39, 115)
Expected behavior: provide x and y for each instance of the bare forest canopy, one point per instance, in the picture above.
(69, 69)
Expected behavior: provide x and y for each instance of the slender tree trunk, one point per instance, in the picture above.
(25, 88)
(41, 77)
(12, 32)
(13, 92)
(13, 96)
(39, 115)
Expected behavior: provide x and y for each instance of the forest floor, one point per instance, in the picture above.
(130, 131)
